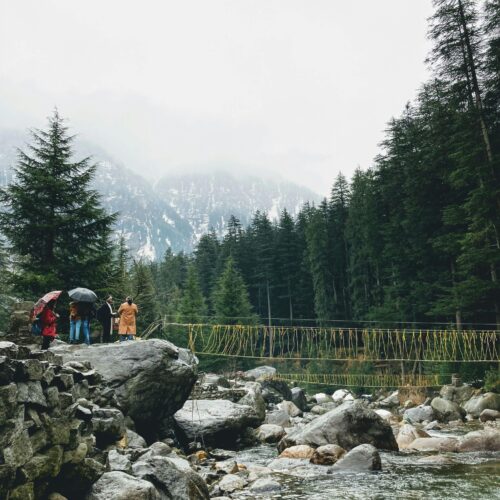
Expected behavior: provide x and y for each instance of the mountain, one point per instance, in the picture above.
(175, 211)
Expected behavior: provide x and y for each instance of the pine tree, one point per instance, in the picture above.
(230, 298)
(206, 257)
(192, 307)
(144, 295)
(54, 222)
(120, 285)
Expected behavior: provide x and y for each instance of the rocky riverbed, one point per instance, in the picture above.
(137, 421)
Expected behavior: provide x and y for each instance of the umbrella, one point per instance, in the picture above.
(82, 295)
(41, 303)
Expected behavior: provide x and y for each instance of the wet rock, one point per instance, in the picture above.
(482, 440)
(433, 426)
(420, 413)
(441, 444)
(447, 411)
(489, 415)
(364, 457)
(265, 485)
(257, 471)
(299, 398)
(269, 433)
(290, 409)
(227, 467)
(477, 404)
(436, 460)
(407, 434)
(327, 454)
(288, 464)
(261, 372)
(231, 483)
(120, 486)
(278, 417)
(348, 426)
(298, 451)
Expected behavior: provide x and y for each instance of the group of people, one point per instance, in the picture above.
(80, 316)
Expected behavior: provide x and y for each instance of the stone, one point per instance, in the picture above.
(170, 480)
(157, 449)
(28, 369)
(19, 450)
(446, 410)
(77, 478)
(299, 398)
(390, 401)
(254, 399)
(327, 454)
(134, 440)
(265, 485)
(117, 461)
(418, 414)
(476, 404)
(488, 415)
(8, 349)
(364, 457)
(227, 467)
(437, 460)
(108, 425)
(319, 410)
(441, 444)
(43, 465)
(298, 451)
(278, 417)
(23, 492)
(218, 380)
(433, 426)
(52, 397)
(458, 395)
(290, 409)
(482, 440)
(56, 496)
(322, 398)
(7, 372)
(152, 378)
(261, 372)
(269, 433)
(274, 391)
(386, 415)
(231, 483)
(77, 455)
(219, 421)
(8, 402)
(117, 485)
(339, 395)
(407, 434)
(31, 393)
(348, 426)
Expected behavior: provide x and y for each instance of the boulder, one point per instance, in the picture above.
(339, 395)
(274, 391)
(483, 440)
(364, 457)
(134, 440)
(348, 426)
(488, 415)
(321, 398)
(418, 414)
(172, 479)
(119, 462)
(436, 460)
(108, 425)
(152, 378)
(446, 410)
(441, 444)
(290, 409)
(231, 483)
(260, 373)
(327, 454)
(407, 434)
(298, 451)
(458, 395)
(387, 416)
(278, 417)
(120, 486)
(269, 433)
(265, 485)
(219, 421)
(477, 404)
(390, 401)
(299, 398)
(254, 399)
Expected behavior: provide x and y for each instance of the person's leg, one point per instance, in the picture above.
(78, 325)
(105, 332)
(122, 337)
(45, 342)
(71, 331)
(86, 331)
(130, 337)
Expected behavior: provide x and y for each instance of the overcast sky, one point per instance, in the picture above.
(303, 88)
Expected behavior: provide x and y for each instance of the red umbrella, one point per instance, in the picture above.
(41, 303)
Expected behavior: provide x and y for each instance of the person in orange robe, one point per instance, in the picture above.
(127, 312)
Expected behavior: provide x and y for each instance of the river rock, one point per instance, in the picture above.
(390, 401)
(231, 483)
(260, 373)
(151, 378)
(407, 434)
(477, 404)
(298, 451)
(446, 410)
(327, 454)
(134, 440)
(278, 417)
(437, 460)
(299, 398)
(120, 486)
(364, 457)
(421, 413)
(321, 398)
(274, 391)
(458, 395)
(489, 415)
(219, 422)
(319, 410)
(483, 440)
(348, 426)
(119, 462)
(269, 433)
(254, 399)
(441, 444)
(386, 415)
(339, 395)
(265, 485)
(290, 409)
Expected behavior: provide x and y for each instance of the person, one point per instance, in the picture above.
(48, 319)
(86, 312)
(75, 323)
(105, 315)
(127, 312)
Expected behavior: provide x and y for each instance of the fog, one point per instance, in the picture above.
(302, 88)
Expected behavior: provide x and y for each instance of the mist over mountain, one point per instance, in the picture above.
(178, 209)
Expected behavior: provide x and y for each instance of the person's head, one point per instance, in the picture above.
(129, 300)
(109, 299)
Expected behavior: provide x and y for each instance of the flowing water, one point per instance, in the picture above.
(466, 476)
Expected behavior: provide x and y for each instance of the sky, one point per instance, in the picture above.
(300, 88)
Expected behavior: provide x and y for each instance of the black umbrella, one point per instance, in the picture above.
(82, 295)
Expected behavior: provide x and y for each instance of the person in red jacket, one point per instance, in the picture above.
(48, 319)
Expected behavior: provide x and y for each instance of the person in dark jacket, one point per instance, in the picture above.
(106, 316)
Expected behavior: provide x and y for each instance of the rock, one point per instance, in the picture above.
(31, 393)
(299, 398)
(364, 457)
(119, 462)
(327, 454)
(120, 486)
(108, 425)
(441, 444)
(257, 471)
(446, 410)
(217, 380)
(8, 349)
(288, 464)
(77, 455)
(488, 415)
(387, 416)
(219, 421)
(23, 492)
(254, 399)
(290, 409)
(339, 395)
(348, 426)
(438, 460)
(269, 433)
(28, 369)
(322, 398)
(152, 378)
(482, 440)
(319, 410)
(77, 478)
(261, 372)
(420, 413)
(407, 434)
(265, 485)
(433, 426)
(458, 395)
(391, 401)
(231, 483)
(134, 440)
(56, 496)
(227, 467)
(274, 391)
(298, 451)
(476, 404)
(278, 417)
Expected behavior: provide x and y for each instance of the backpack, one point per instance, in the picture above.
(36, 326)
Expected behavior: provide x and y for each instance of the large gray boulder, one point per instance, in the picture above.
(348, 426)
(120, 486)
(151, 378)
(218, 422)
(487, 439)
(446, 410)
(420, 413)
(299, 398)
(364, 457)
(477, 404)
(457, 394)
